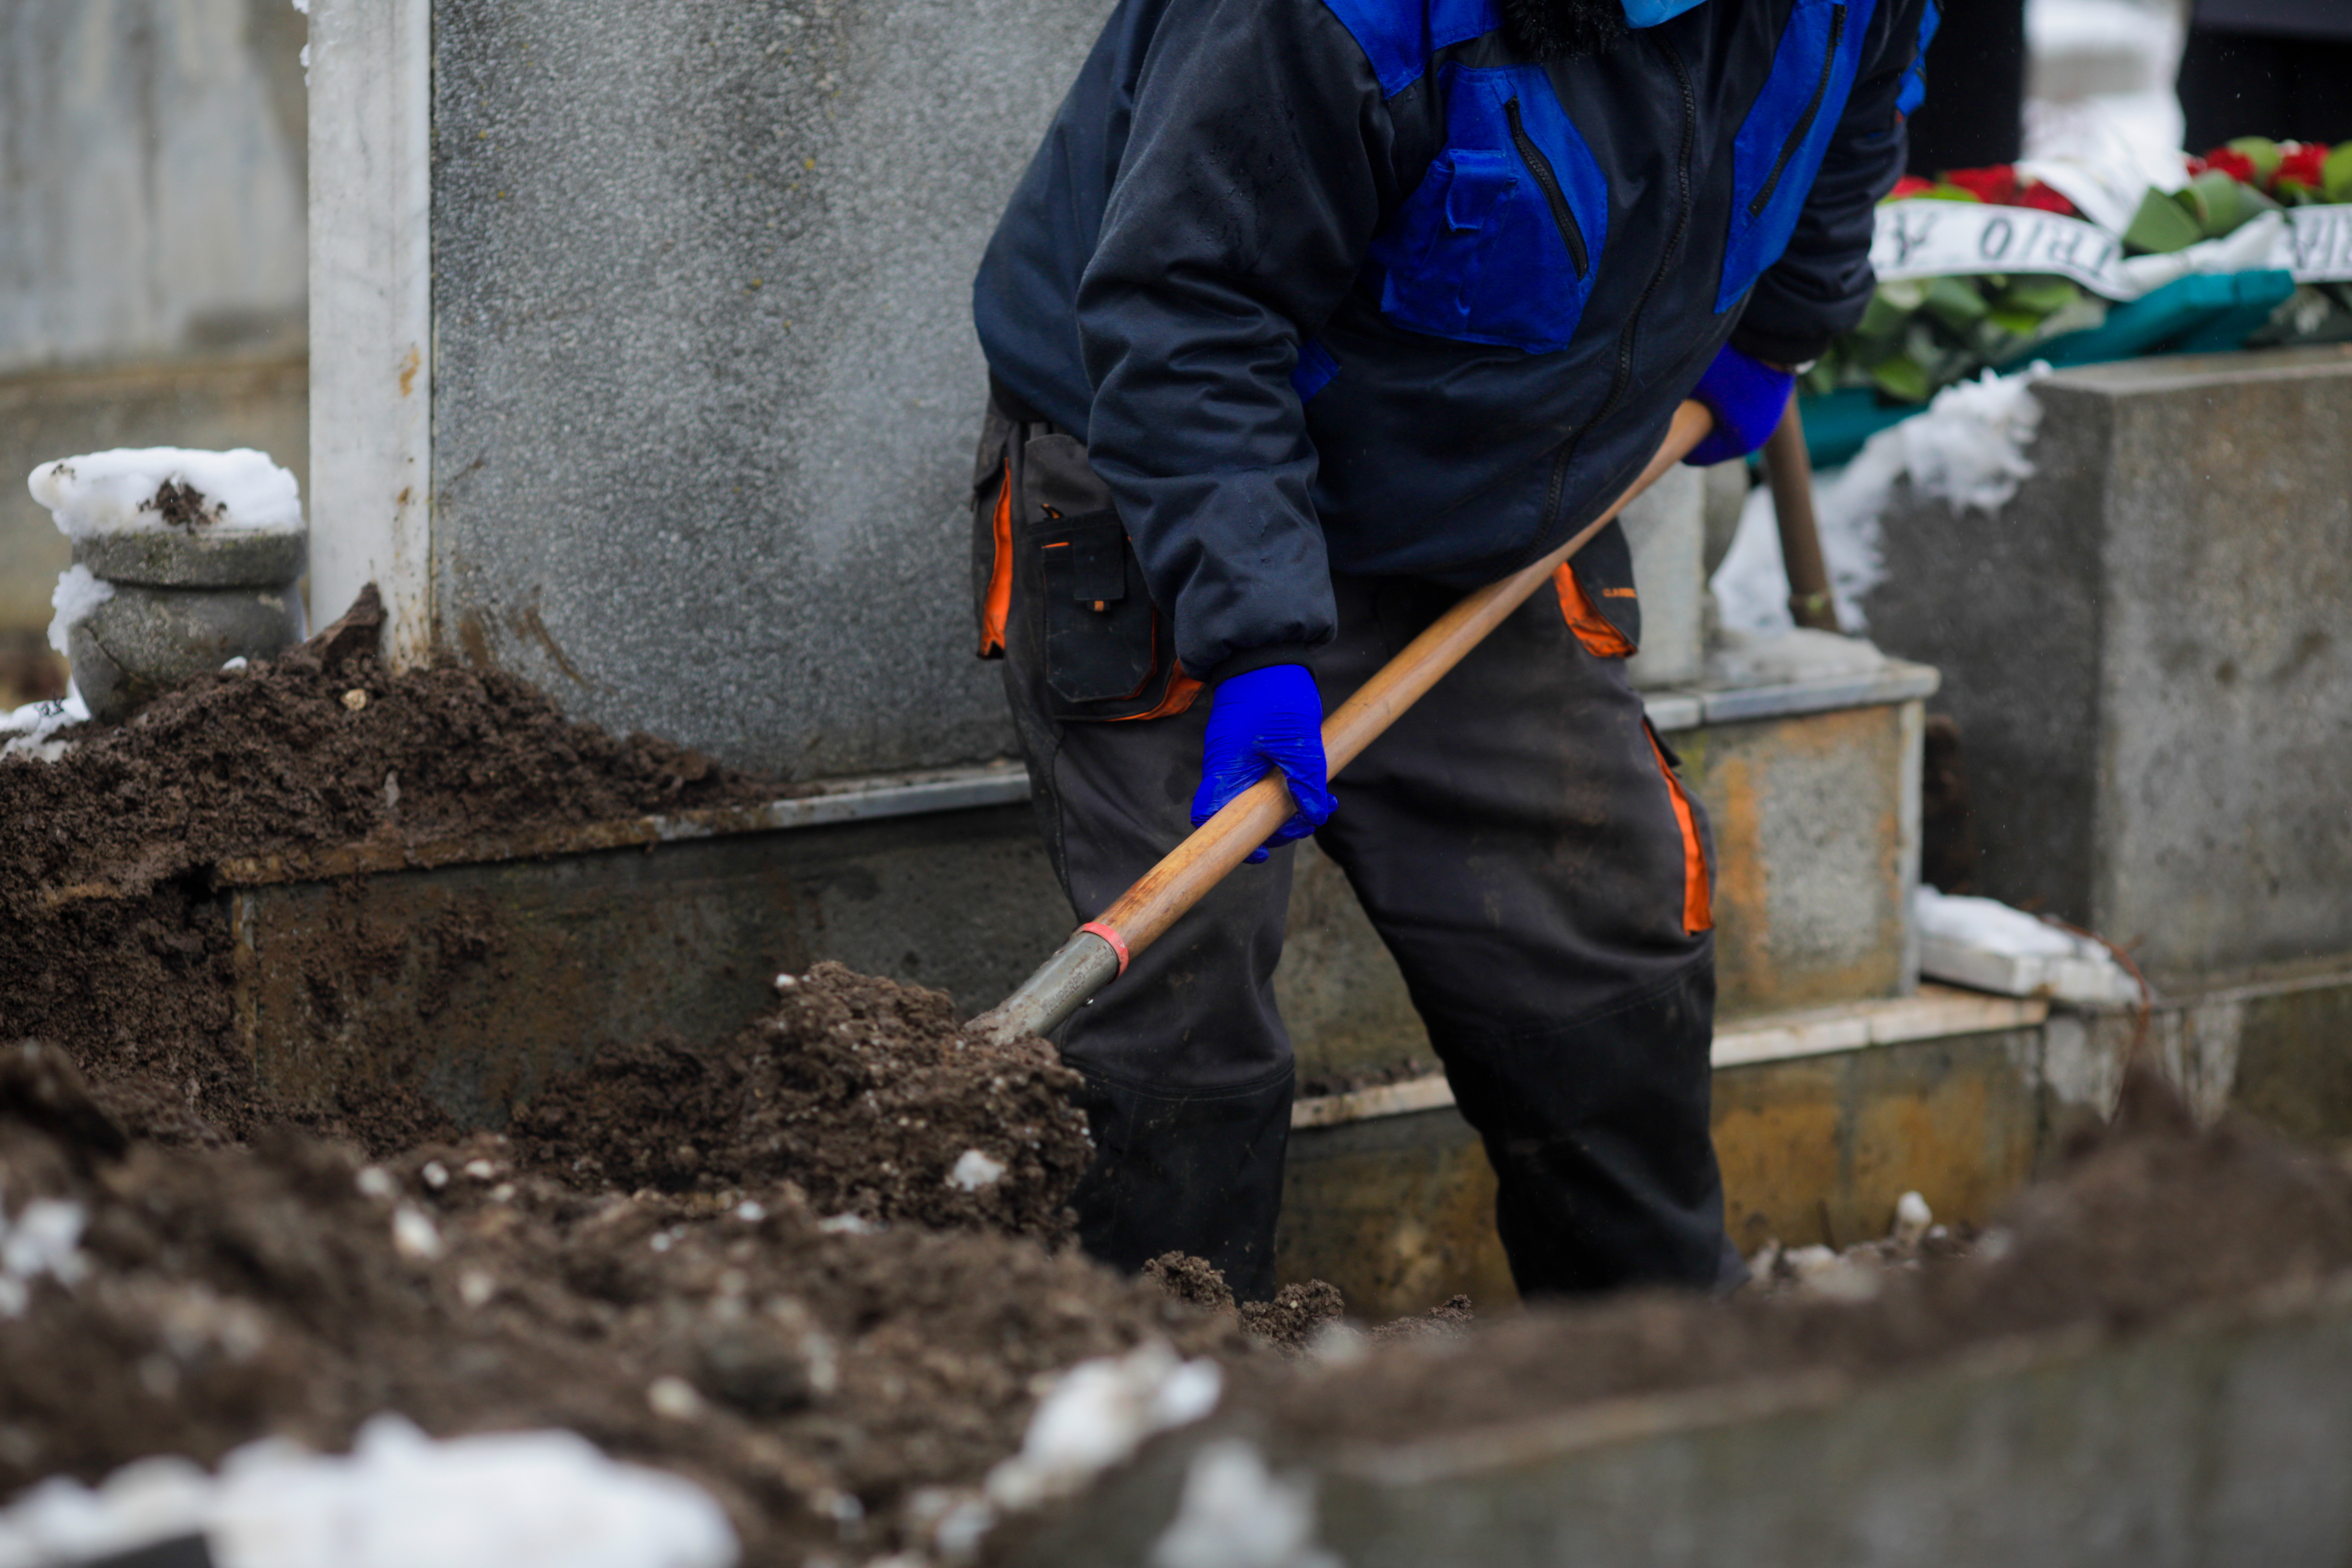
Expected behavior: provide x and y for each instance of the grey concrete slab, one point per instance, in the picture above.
(151, 170)
(706, 387)
(2147, 653)
(2218, 1440)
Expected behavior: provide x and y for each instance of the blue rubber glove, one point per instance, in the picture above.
(1747, 398)
(1262, 719)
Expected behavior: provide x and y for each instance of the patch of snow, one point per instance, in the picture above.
(1788, 657)
(1912, 1219)
(848, 1225)
(78, 592)
(1235, 1514)
(1967, 448)
(114, 493)
(2102, 148)
(512, 1500)
(1822, 1272)
(1986, 945)
(44, 1239)
(674, 1399)
(1097, 1414)
(29, 728)
(973, 1170)
(414, 1236)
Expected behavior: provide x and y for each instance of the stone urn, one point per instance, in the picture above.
(183, 603)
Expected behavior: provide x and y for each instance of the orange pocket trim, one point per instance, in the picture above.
(1181, 689)
(1698, 896)
(1601, 639)
(999, 606)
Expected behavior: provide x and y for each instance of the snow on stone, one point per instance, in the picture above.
(1985, 944)
(1967, 448)
(975, 1170)
(1097, 1414)
(1789, 657)
(519, 1499)
(78, 592)
(1235, 1514)
(114, 493)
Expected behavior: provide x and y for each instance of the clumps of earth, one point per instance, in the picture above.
(868, 1094)
(822, 1267)
(112, 947)
(834, 1384)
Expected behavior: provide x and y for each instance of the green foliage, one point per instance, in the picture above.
(1917, 335)
(2336, 175)
(2220, 204)
(2161, 226)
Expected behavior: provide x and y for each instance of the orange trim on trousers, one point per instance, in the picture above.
(1698, 896)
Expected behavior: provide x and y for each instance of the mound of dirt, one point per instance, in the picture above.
(834, 1385)
(864, 1093)
(2147, 1221)
(111, 944)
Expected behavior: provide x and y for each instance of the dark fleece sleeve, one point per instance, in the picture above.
(1822, 282)
(1253, 178)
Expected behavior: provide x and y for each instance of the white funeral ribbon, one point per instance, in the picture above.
(1924, 239)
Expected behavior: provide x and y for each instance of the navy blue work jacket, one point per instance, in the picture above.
(1353, 286)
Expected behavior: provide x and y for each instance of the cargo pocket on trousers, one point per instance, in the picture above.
(1100, 639)
(1105, 650)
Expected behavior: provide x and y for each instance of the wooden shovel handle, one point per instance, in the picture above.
(1145, 911)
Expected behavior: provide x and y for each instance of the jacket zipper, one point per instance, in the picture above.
(1625, 376)
(1540, 167)
(1804, 121)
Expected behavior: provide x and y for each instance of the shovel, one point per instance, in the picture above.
(1097, 952)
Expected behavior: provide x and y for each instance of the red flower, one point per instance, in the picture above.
(2043, 198)
(2237, 166)
(1909, 186)
(2302, 162)
(1996, 186)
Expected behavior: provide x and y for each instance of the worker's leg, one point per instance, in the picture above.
(1517, 841)
(1188, 1070)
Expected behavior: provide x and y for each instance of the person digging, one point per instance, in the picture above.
(1308, 316)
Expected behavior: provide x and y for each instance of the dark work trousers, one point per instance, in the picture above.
(1515, 838)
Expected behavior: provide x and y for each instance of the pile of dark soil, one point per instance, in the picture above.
(864, 1092)
(834, 1385)
(2149, 1219)
(111, 946)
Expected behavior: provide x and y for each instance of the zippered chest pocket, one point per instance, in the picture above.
(1780, 144)
(1499, 242)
